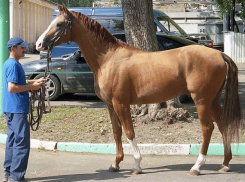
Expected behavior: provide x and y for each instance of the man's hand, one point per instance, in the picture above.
(38, 83)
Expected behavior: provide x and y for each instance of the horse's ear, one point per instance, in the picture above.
(66, 10)
(59, 7)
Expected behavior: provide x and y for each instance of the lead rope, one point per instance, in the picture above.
(37, 105)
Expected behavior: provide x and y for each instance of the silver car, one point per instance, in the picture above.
(203, 39)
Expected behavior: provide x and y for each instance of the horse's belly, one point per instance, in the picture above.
(159, 92)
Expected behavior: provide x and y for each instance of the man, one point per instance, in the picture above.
(16, 109)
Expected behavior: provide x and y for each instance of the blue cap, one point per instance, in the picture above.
(16, 41)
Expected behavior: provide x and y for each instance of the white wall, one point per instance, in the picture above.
(29, 19)
(234, 46)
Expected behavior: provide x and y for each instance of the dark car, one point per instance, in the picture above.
(71, 74)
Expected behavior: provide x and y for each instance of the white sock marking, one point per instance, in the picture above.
(137, 155)
(200, 161)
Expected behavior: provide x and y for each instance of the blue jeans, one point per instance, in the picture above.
(17, 145)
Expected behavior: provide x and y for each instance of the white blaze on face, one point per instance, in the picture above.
(39, 43)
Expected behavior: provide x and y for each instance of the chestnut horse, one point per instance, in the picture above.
(125, 75)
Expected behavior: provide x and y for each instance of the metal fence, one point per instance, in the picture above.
(234, 46)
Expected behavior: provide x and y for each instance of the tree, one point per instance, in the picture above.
(227, 7)
(75, 3)
(115, 2)
(140, 32)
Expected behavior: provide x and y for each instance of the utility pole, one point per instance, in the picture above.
(233, 16)
(4, 37)
(226, 23)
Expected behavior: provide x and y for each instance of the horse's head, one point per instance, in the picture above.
(58, 32)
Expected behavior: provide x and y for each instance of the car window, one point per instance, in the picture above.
(79, 57)
(121, 37)
(166, 44)
(208, 37)
(105, 23)
(117, 25)
(114, 25)
(171, 26)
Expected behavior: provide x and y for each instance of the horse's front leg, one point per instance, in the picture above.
(123, 112)
(117, 133)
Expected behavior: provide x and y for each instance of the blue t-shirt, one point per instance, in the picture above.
(14, 102)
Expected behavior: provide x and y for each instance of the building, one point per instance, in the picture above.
(29, 19)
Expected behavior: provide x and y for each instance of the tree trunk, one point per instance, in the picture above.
(140, 32)
(139, 24)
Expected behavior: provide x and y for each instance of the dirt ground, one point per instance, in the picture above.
(93, 125)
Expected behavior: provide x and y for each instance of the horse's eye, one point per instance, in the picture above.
(59, 25)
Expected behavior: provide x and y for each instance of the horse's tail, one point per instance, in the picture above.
(232, 114)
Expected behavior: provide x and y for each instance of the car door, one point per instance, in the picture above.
(79, 77)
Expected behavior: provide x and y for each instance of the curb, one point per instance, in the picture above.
(147, 149)
(152, 149)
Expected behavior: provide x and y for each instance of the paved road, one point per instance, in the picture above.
(51, 166)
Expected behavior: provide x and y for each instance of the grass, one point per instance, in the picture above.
(69, 117)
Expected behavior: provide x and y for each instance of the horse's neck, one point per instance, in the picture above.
(95, 52)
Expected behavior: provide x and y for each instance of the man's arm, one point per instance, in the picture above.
(34, 85)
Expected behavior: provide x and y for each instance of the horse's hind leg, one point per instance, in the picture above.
(123, 112)
(117, 132)
(205, 117)
(217, 112)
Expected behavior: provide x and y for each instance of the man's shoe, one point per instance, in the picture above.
(5, 177)
(12, 180)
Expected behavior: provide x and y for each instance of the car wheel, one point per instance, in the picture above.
(53, 86)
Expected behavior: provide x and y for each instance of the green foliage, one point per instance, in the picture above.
(115, 2)
(75, 3)
(227, 6)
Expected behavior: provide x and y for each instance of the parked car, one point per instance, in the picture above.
(203, 39)
(71, 74)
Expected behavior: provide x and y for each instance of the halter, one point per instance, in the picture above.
(65, 29)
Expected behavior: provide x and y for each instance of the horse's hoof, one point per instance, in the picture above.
(194, 173)
(114, 169)
(225, 169)
(136, 171)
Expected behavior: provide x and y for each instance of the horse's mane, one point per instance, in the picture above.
(97, 30)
